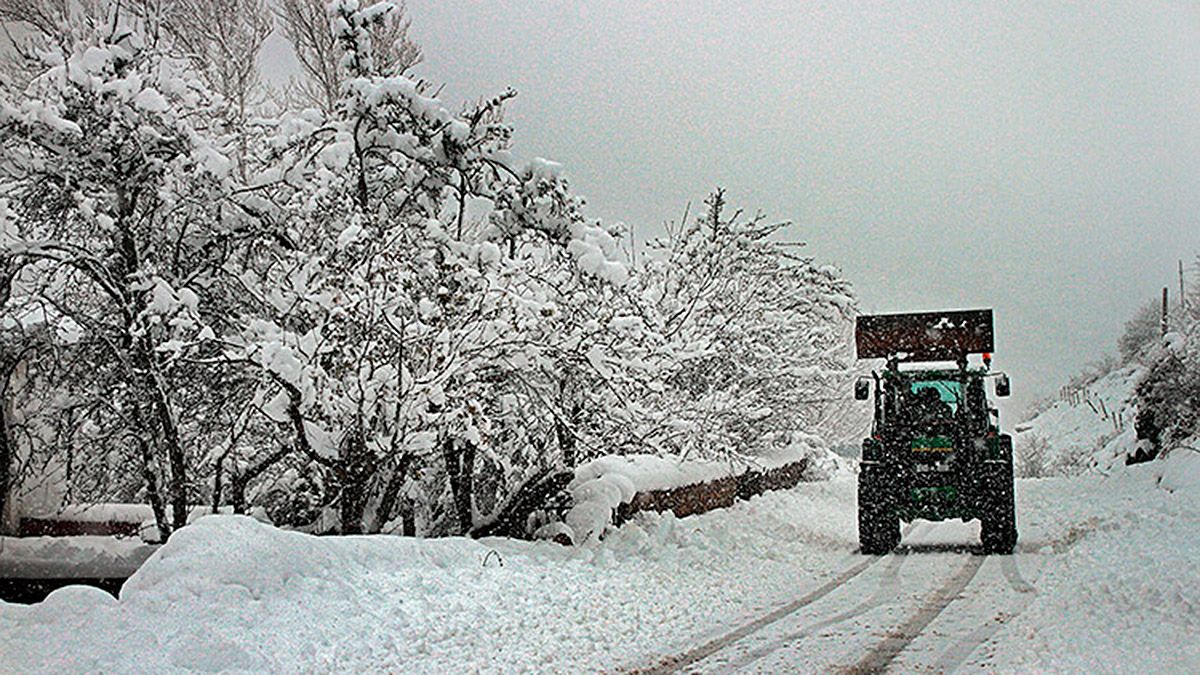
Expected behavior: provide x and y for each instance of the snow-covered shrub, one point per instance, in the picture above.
(295, 497)
(1074, 461)
(1168, 393)
(1031, 458)
(1034, 458)
(1141, 331)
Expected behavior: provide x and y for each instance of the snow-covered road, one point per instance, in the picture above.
(1108, 566)
(881, 612)
(1106, 578)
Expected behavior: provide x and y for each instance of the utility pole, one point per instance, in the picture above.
(1164, 311)
(1182, 295)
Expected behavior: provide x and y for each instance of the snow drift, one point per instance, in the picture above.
(230, 593)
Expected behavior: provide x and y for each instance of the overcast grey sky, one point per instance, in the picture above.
(1042, 158)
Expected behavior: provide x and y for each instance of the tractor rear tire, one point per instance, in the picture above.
(998, 533)
(878, 528)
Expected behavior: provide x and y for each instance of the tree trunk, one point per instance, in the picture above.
(9, 523)
(152, 493)
(149, 386)
(239, 482)
(218, 477)
(237, 494)
(408, 516)
(355, 473)
(354, 504)
(154, 390)
(564, 430)
(7, 457)
(391, 492)
(460, 467)
(179, 504)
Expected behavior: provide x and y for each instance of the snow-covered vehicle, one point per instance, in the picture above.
(936, 451)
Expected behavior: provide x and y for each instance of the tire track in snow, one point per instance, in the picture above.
(677, 662)
(882, 654)
(954, 657)
(877, 599)
(1012, 573)
(674, 663)
(957, 654)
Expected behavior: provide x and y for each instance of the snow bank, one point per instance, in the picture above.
(1179, 469)
(1113, 563)
(229, 593)
(1120, 586)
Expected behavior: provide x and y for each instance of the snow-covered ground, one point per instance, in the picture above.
(1094, 429)
(1106, 578)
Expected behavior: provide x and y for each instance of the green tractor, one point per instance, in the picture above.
(935, 451)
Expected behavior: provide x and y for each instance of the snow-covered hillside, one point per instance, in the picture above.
(1091, 427)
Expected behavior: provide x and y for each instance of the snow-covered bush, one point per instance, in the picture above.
(1168, 393)
(1035, 458)
(1031, 458)
(1141, 331)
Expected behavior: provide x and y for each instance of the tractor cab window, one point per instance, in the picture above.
(934, 400)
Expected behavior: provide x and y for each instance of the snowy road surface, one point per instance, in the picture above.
(882, 612)
(1106, 578)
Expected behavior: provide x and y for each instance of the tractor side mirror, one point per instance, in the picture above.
(1003, 387)
(862, 389)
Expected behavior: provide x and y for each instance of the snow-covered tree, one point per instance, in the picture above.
(751, 337)
(359, 313)
(389, 326)
(305, 24)
(118, 177)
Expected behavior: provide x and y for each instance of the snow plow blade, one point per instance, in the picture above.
(924, 336)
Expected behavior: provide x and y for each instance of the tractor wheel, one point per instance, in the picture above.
(999, 523)
(878, 529)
